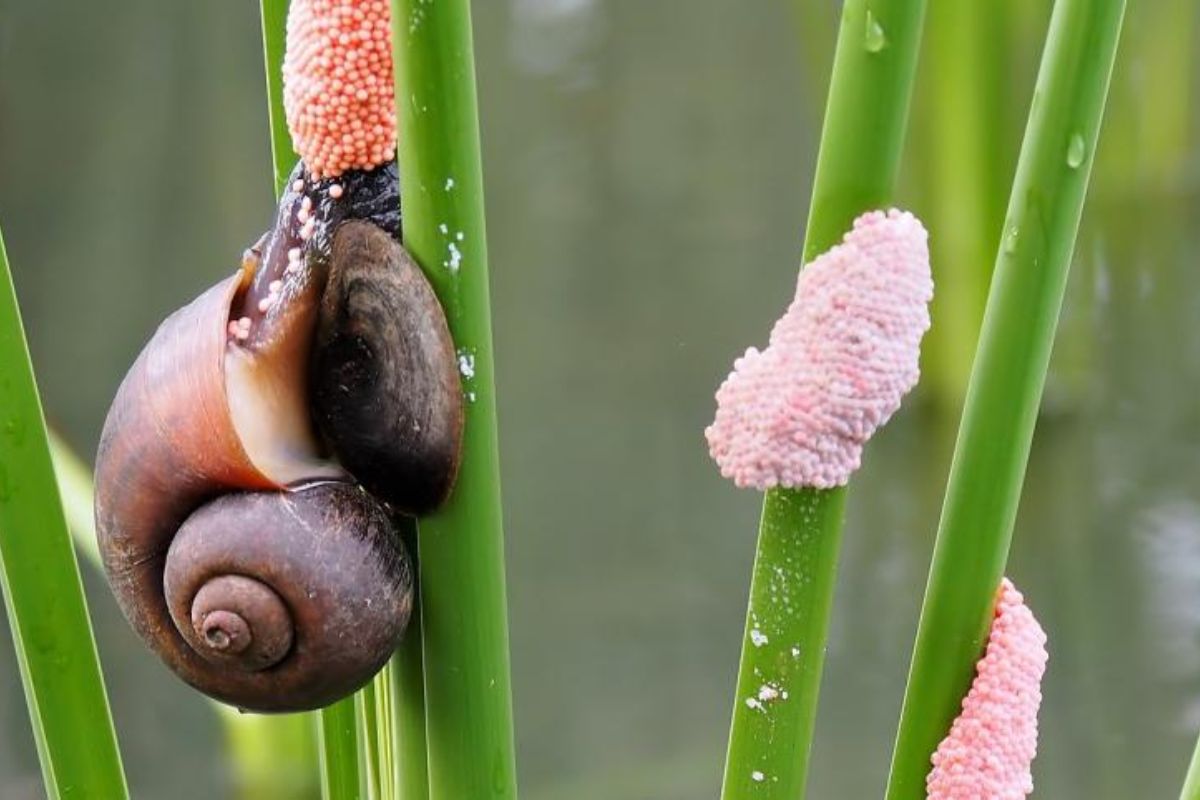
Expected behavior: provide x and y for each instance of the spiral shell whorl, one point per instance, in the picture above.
(318, 576)
(238, 621)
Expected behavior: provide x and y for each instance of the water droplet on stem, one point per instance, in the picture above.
(876, 38)
(1010, 239)
(1076, 152)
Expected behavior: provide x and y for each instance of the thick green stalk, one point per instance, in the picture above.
(464, 616)
(274, 29)
(783, 651)
(1007, 380)
(52, 634)
(795, 568)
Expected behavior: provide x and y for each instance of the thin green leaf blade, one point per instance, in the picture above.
(1191, 783)
(410, 754)
(366, 710)
(337, 728)
(43, 596)
(274, 30)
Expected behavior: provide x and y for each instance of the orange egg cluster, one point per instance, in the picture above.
(337, 84)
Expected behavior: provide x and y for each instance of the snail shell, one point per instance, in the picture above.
(381, 335)
(254, 565)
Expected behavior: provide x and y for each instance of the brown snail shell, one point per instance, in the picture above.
(319, 575)
(252, 565)
(382, 335)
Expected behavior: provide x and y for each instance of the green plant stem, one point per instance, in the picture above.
(1191, 784)
(271, 756)
(464, 616)
(1008, 377)
(338, 737)
(75, 485)
(795, 568)
(967, 177)
(401, 687)
(366, 709)
(783, 650)
(385, 762)
(274, 30)
(395, 721)
(43, 595)
(409, 753)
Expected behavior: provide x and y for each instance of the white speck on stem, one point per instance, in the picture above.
(449, 184)
(757, 776)
(758, 638)
(466, 364)
(767, 692)
(752, 702)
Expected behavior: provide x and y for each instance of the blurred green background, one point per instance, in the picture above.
(648, 168)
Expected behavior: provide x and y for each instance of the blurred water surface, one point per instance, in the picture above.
(648, 167)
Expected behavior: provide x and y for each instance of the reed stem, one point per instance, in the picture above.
(366, 709)
(274, 30)
(463, 606)
(1191, 784)
(1006, 383)
(791, 594)
(403, 711)
(337, 730)
(43, 595)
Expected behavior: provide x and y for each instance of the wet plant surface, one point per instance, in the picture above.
(644, 160)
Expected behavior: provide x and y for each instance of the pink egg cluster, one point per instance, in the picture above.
(839, 361)
(337, 84)
(991, 745)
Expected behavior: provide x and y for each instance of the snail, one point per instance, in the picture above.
(259, 456)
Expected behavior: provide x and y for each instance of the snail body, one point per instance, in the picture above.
(257, 455)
